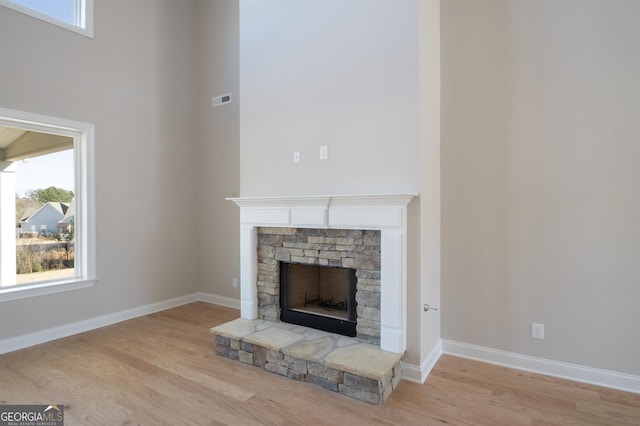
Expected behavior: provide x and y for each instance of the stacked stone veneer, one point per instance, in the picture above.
(333, 362)
(357, 249)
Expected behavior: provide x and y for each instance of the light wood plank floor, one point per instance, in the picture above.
(160, 369)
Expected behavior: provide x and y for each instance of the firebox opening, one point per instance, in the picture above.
(320, 297)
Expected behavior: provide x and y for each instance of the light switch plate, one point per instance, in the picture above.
(324, 152)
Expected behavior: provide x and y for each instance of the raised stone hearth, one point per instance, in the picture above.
(331, 361)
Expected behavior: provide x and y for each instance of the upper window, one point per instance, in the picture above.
(47, 226)
(74, 15)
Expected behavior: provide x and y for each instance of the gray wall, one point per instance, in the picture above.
(428, 250)
(540, 177)
(137, 82)
(218, 148)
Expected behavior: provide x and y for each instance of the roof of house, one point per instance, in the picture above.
(65, 209)
(68, 215)
(28, 213)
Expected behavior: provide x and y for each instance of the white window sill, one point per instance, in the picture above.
(44, 288)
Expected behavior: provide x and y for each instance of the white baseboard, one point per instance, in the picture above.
(31, 339)
(578, 373)
(411, 372)
(418, 374)
(219, 300)
(20, 342)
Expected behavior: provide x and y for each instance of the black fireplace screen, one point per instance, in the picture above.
(320, 297)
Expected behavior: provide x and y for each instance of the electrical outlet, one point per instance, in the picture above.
(235, 282)
(537, 331)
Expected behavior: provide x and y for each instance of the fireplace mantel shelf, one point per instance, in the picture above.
(323, 200)
(365, 211)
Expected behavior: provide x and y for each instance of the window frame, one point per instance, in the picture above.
(83, 16)
(84, 215)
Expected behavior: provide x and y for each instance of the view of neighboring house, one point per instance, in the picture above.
(51, 218)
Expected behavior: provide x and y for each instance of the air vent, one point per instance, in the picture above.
(221, 100)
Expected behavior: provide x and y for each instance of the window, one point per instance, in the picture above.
(74, 15)
(47, 234)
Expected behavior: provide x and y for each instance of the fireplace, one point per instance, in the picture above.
(381, 305)
(322, 297)
(356, 241)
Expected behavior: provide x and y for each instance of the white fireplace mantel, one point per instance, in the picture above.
(385, 212)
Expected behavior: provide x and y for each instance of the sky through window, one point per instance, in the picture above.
(45, 171)
(63, 10)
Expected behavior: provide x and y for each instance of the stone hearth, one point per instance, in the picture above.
(331, 361)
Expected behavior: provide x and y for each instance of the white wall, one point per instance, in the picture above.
(137, 82)
(540, 177)
(340, 73)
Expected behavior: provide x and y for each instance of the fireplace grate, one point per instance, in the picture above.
(327, 304)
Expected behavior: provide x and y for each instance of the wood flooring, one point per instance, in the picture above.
(161, 370)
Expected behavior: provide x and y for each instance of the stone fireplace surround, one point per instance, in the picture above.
(386, 213)
(356, 249)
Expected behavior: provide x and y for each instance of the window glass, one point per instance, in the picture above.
(73, 15)
(64, 10)
(44, 187)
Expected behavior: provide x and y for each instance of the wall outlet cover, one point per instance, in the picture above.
(537, 331)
